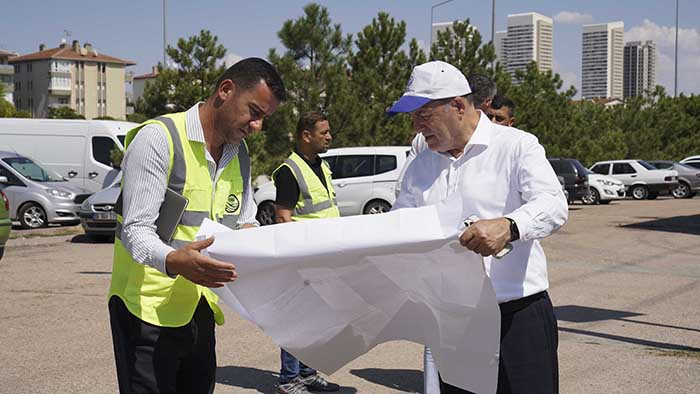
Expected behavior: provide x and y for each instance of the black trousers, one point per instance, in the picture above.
(153, 359)
(528, 360)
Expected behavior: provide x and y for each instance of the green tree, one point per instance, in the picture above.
(63, 113)
(192, 79)
(380, 70)
(314, 68)
(462, 46)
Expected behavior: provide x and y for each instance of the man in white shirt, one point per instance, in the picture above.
(506, 181)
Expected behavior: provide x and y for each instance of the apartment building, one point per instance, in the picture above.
(7, 73)
(602, 60)
(527, 39)
(639, 68)
(91, 83)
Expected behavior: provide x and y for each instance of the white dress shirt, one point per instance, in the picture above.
(503, 171)
(145, 168)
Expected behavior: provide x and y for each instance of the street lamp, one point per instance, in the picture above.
(430, 45)
(675, 67)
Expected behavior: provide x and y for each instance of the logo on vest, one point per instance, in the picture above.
(232, 203)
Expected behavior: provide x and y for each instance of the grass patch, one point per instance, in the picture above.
(694, 354)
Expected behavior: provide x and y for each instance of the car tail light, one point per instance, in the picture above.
(5, 200)
(580, 179)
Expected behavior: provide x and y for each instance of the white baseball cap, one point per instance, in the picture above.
(431, 81)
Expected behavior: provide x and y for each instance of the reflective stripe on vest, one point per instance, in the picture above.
(315, 201)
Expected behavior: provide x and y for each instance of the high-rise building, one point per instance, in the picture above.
(528, 39)
(639, 68)
(499, 46)
(73, 76)
(602, 60)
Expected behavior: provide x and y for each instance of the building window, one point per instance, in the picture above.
(31, 85)
(62, 100)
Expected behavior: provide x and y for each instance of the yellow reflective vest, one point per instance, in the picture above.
(315, 201)
(149, 294)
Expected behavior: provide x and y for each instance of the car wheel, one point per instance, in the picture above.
(266, 213)
(652, 195)
(591, 198)
(639, 192)
(32, 216)
(376, 206)
(682, 191)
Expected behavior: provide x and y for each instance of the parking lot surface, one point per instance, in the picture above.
(624, 277)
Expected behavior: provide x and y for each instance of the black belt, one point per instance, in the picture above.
(513, 306)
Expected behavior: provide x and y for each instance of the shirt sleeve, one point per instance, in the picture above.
(405, 198)
(545, 209)
(249, 208)
(145, 174)
(287, 188)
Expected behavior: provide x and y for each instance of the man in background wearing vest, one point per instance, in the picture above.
(305, 191)
(162, 311)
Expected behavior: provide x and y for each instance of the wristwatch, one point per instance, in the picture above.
(514, 232)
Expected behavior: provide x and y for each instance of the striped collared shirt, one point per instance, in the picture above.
(145, 168)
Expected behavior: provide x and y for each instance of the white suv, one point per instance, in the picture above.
(643, 181)
(364, 179)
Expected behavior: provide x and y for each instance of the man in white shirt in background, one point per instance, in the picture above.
(506, 181)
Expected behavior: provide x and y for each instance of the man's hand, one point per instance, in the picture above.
(200, 269)
(486, 237)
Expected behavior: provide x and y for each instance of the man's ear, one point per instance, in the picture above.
(511, 122)
(306, 136)
(460, 104)
(226, 89)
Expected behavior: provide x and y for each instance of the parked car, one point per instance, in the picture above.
(364, 179)
(574, 174)
(563, 186)
(693, 161)
(603, 189)
(688, 177)
(641, 179)
(5, 221)
(97, 215)
(83, 157)
(38, 196)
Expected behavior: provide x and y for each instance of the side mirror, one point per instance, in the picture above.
(3, 179)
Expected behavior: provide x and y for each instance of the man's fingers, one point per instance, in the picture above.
(203, 244)
(210, 263)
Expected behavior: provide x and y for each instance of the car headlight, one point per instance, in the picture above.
(86, 205)
(606, 182)
(62, 194)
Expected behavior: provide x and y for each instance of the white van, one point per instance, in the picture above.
(76, 149)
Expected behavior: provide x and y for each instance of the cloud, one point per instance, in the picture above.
(572, 17)
(688, 39)
(688, 54)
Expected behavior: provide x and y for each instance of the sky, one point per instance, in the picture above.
(133, 30)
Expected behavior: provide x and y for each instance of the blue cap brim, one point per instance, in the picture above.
(407, 104)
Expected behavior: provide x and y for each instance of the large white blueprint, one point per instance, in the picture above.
(329, 290)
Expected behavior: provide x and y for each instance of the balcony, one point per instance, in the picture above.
(7, 69)
(59, 89)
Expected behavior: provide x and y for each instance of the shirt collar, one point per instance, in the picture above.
(195, 131)
(482, 133)
(480, 136)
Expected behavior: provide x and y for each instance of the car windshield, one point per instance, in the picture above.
(646, 165)
(32, 170)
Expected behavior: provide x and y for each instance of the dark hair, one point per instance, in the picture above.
(483, 88)
(308, 120)
(503, 101)
(249, 72)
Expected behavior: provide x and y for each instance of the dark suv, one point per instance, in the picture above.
(575, 176)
